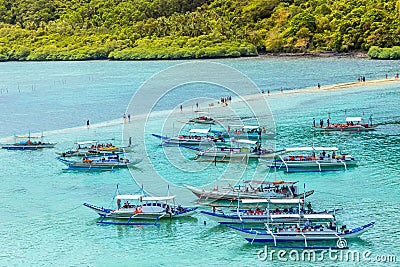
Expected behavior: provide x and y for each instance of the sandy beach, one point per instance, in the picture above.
(216, 106)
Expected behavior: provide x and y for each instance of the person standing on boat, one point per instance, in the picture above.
(321, 123)
(313, 121)
(327, 122)
(309, 208)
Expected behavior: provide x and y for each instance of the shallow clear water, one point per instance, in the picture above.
(44, 222)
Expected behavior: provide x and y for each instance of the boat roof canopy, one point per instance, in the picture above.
(246, 126)
(143, 198)
(349, 119)
(202, 131)
(128, 197)
(291, 149)
(278, 182)
(87, 142)
(318, 216)
(273, 201)
(28, 136)
(158, 198)
(251, 127)
(244, 141)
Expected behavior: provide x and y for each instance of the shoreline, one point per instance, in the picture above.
(212, 105)
(327, 54)
(316, 54)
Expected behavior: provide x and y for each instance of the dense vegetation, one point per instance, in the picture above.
(152, 29)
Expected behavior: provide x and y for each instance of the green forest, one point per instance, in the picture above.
(178, 29)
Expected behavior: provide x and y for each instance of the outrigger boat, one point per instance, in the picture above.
(142, 208)
(261, 216)
(317, 159)
(99, 163)
(244, 132)
(236, 152)
(28, 144)
(93, 148)
(352, 124)
(196, 137)
(202, 118)
(252, 190)
(293, 232)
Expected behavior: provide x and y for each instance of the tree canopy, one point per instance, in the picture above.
(172, 29)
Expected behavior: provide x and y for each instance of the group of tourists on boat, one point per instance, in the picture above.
(323, 155)
(308, 227)
(278, 211)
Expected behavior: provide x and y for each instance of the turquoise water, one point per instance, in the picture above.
(44, 222)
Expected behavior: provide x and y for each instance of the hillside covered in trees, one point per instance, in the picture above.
(168, 29)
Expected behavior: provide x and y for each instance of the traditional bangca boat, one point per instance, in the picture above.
(99, 163)
(28, 143)
(261, 216)
(196, 137)
(252, 190)
(296, 232)
(93, 148)
(244, 132)
(309, 159)
(140, 207)
(202, 118)
(352, 124)
(236, 151)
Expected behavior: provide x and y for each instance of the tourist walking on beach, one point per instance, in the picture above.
(181, 108)
(124, 118)
(319, 86)
(129, 117)
(88, 124)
